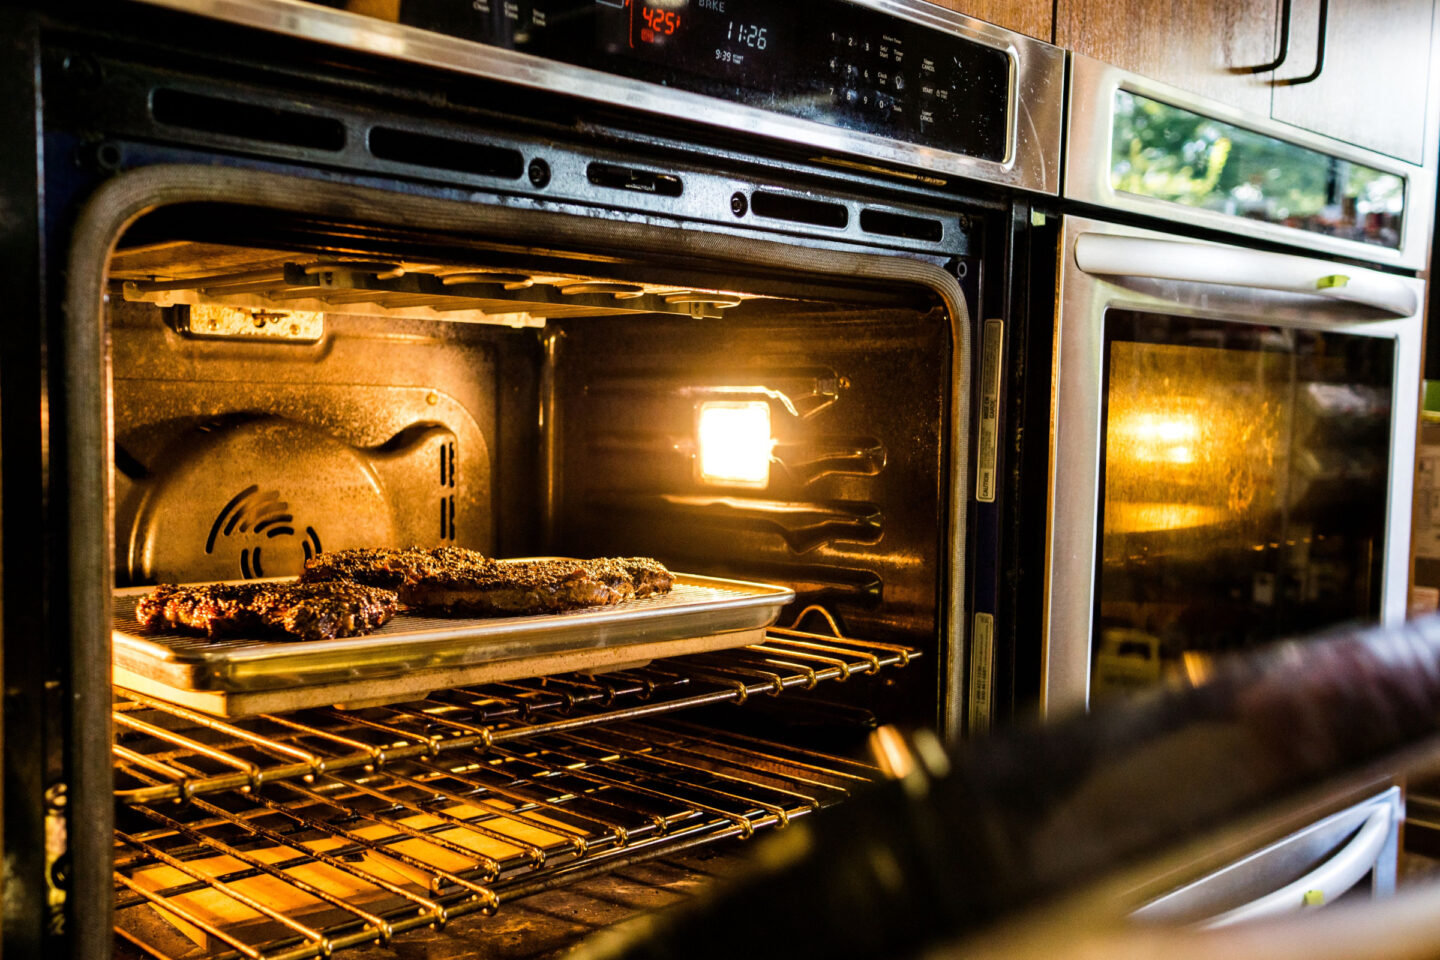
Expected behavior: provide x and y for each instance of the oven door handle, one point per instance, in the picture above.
(1326, 882)
(1109, 255)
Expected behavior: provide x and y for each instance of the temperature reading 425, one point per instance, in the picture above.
(664, 22)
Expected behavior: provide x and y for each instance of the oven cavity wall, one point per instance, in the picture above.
(849, 510)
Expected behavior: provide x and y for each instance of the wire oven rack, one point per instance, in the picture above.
(303, 834)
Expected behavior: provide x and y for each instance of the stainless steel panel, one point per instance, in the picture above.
(1279, 864)
(1076, 405)
(697, 606)
(1036, 95)
(1087, 167)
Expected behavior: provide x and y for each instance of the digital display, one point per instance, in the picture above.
(725, 39)
(831, 61)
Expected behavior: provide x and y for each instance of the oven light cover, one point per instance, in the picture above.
(733, 443)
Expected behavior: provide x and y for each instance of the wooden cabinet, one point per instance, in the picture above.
(1371, 89)
(1198, 45)
(1030, 17)
(1370, 92)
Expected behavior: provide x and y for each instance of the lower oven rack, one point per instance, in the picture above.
(369, 823)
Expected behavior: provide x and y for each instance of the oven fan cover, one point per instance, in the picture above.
(247, 498)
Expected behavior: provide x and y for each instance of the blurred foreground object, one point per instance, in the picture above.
(1404, 927)
(1035, 817)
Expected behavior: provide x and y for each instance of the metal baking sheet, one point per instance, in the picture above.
(695, 607)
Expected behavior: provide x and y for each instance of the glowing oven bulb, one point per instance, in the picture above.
(733, 443)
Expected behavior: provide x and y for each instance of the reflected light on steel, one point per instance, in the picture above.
(733, 443)
(1160, 439)
(1194, 440)
(1127, 517)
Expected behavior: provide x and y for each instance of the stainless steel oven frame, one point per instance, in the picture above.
(86, 178)
(1036, 99)
(1104, 266)
(1088, 132)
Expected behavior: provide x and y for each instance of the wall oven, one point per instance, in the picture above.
(1216, 400)
(290, 278)
(1230, 453)
(1235, 362)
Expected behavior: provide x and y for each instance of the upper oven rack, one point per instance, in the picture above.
(189, 754)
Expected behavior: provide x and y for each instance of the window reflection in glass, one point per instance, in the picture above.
(1171, 154)
(1243, 489)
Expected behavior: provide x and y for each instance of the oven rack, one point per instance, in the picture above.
(295, 870)
(168, 752)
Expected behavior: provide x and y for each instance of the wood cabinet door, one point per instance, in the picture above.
(1199, 45)
(1031, 17)
(1371, 90)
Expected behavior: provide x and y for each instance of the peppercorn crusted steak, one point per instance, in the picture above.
(299, 611)
(451, 581)
(387, 568)
(649, 576)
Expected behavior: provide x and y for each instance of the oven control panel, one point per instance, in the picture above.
(830, 61)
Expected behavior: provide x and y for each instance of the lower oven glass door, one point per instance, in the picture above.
(1231, 460)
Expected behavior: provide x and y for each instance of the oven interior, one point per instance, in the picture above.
(283, 386)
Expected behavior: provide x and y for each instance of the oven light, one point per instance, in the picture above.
(1165, 429)
(733, 443)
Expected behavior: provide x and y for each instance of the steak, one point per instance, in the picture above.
(649, 576)
(384, 567)
(450, 581)
(297, 611)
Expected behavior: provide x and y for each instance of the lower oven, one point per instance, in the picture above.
(1233, 434)
(1235, 362)
(312, 299)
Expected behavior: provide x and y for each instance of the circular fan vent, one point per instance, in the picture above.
(255, 498)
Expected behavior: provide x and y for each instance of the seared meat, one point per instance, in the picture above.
(649, 576)
(455, 581)
(299, 611)
(384, 567)
(515, 588)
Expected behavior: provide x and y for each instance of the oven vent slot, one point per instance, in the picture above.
(888, 223)
(445, 153)
(783, 206)
(245, 121)
(629, 178)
